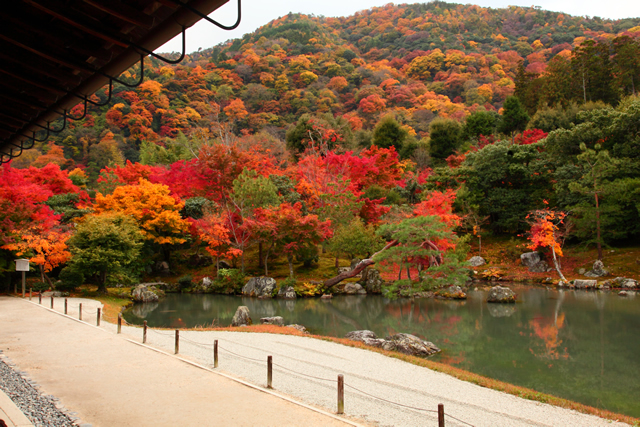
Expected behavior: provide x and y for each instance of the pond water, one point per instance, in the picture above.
(579, 345)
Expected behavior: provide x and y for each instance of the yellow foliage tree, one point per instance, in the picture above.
(154, 209)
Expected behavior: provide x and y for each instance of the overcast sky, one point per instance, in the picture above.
(256, 13)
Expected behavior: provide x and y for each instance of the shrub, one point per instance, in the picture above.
(229, 281)
(185, 282)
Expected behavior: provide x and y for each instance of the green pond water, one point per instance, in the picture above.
(579, 345)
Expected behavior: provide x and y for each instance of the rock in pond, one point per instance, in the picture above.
(261, 287)
(146, 292)
(242, 317)
(623, 293)
(410, 344)
(287, 292)
(452, 292)
(501, 294)
(361, 335)
(476, 261)
(371, 281)
(354, 289)
(276, 320)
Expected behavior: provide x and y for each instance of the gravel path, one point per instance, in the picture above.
(41, 410)
(382, 390)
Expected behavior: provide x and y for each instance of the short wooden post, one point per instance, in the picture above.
(340, 394)
(39, 298)
(80, 311)
(24, 282)
(215, 353)
(440, 415)
(30, 293)
(177, 341)
(144, 332)
(119, 322)
(52, 302)
(269, 371)
(65, 305)
(98, 318)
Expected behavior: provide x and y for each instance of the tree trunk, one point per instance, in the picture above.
(44, 276)
(290, 259)
(41, 273)
(102, 282)
(259, 254)
(266, 262)
(599, 243)
(358, 268)
(337, 258)
(557, 265)
(217, 267)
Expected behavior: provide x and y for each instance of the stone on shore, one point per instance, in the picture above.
(410, 344)
(242, 317)
(261, 287)
(299, 328)
(529, 259)
(287, 292)
(452, 292)
(501, 294)
(275, 320)
(361, 335)
(371, 281)
(598, 270)
(354, 289)
(146, 292)
(476, 261)
(585, 284)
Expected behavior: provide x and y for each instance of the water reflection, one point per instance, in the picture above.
(580, 345)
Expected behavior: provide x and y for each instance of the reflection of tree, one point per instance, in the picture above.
(548, 332)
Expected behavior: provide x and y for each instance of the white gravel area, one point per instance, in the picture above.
(376, 386)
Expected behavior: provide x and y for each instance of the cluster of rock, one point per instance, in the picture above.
(452, 292)
(623, 283)
(404, 343)
(147, 292)
(242, 317)
(261, 287)
(598, 270)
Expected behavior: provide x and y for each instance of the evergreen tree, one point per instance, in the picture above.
(514, 117)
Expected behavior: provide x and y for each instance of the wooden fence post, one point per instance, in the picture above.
(98, 318)
(119, 322)
(269, 371)
(177, 341)
(65, 305)
(340, 394)
(144, 332)
(440, 415)
(80, 311)
(39, 298)
(51, 302)
(30, 293)
(215, 353)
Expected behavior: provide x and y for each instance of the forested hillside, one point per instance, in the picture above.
(328, 127)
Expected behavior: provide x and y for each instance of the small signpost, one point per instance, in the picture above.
(22, 265)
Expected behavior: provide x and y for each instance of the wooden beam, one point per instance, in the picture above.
(123, 12)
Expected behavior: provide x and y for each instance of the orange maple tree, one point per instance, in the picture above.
(546, 232)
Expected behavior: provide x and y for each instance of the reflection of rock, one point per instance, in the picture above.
(143, 310)
(501, 310)
(410, 344)
(261, 287)
(360, 335)
(242, 317)
(276, 320)
(146, 292)
(623, 293)
(501, 294)
(291, 305)
(476, 261)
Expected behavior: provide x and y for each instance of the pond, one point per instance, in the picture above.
(579, 345)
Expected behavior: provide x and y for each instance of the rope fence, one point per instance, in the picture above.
(340, 379)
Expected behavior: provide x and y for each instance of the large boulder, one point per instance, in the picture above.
(501, 294)
(585, 284)
(529, 259)
(287, 292)
(261, 287)
(622, 282)
(205, 285)
(242, 317)
(598, 270)
(539, 267)
(299, 328)
(371, 281)
(162, 268)
(410, 344)
(476, 261)
(146, 292)
(275, 320)
(452, 292)
(361, 335)
(354, 289)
